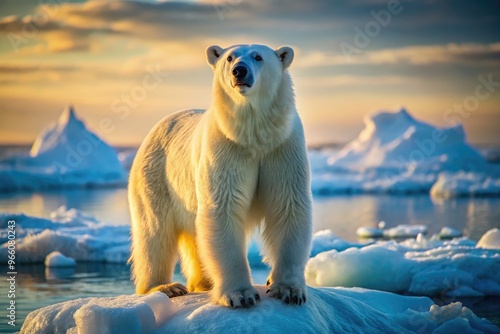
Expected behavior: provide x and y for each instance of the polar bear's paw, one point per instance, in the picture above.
(288, 294)
(240, 298)
(171, 289)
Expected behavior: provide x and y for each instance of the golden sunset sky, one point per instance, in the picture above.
(126, 64)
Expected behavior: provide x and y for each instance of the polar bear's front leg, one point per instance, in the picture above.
(225, 194)
(285, 195)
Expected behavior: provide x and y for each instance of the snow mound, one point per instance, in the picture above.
(421, 266)
(395, 153)
(56, 259)
(490, 239)
(65, 154)
(327, 310)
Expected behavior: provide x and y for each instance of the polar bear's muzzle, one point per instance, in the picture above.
(241, 76)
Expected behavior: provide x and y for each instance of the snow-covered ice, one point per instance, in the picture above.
(65, 154)
(56, 259)
(328, 310)
(395, 153)
(419, 266)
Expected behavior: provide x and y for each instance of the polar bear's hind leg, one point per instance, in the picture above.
(197, 279)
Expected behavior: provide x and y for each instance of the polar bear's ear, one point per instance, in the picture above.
(285, 55)
(213, 54)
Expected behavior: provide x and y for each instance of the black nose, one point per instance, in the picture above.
(240, 71)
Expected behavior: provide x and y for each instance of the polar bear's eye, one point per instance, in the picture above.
(229, 58)
(258, 58)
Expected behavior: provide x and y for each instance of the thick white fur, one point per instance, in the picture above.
(203, 180)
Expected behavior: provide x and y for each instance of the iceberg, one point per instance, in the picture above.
(396, 153)
(328, 310)
(399, 142)
(65, 154)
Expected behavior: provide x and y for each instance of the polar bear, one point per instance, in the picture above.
(203, 180)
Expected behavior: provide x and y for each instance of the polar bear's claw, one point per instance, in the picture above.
(171, 289)
(240, 298)
(288, 294)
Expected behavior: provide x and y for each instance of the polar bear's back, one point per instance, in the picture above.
(162, 163)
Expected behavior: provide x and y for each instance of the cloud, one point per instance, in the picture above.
(56, 36)
(464, 54)
(77, 27)
(353, 80)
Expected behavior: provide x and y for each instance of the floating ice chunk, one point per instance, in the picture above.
(360, 268)
(72, 217)
(490, 239)
(56, 259)
(325, 240)
(73, 233)
(400, 231)
(405, 231)
(424, 267)
(369, 232)
(449, 233)
(465, 184)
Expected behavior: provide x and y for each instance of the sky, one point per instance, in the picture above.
(124, 65)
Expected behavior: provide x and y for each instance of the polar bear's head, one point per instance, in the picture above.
(249, 70)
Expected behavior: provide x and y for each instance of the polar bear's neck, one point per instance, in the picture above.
(258, 124)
